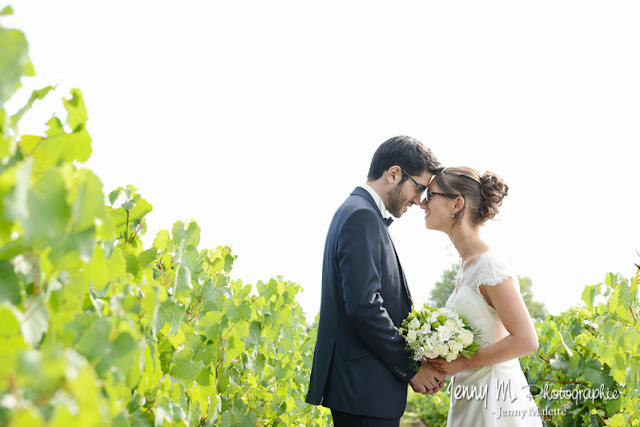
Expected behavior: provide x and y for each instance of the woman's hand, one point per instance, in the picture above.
(450, 368)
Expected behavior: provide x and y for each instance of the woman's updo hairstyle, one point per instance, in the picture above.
(482, 194)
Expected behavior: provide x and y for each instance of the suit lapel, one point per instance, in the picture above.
(404, 279)
(359, 191)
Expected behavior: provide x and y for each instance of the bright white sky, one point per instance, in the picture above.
(257, 119)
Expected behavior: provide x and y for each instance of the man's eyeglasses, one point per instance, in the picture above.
(421, 188)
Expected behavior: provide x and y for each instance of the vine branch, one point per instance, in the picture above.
(562, 382)
(126, 230)
(136, 233)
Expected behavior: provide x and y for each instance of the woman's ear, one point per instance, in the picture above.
(458, 205)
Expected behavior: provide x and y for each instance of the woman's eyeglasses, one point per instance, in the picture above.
(429, 194)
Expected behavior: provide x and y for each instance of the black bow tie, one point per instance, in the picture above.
(388, 221)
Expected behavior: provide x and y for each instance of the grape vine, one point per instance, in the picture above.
(99, 330)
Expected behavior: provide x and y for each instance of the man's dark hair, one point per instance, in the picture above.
(406, 152)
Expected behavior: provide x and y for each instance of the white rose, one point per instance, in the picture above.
(442, 312)
(414, 324)
(442, 350)
(444, 333)
(455, 346)
(432, 342)
(411, 336)
(451, 356)
(430, 354)
(451, 315)
(467, 337)
(451, 324)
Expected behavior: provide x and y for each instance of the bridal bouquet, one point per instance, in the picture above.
(437, 332)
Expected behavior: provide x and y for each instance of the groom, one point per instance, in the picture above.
(360, 369)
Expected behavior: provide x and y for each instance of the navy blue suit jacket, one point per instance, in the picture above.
(359, 365)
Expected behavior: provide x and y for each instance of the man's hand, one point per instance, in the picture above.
(428, 380)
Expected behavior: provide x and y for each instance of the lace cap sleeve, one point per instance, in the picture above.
(491, 270)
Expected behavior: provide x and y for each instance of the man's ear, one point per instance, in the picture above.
(394, 175)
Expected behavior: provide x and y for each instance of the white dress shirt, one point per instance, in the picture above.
(377, 199)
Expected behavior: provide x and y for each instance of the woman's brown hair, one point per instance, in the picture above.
(482, 194)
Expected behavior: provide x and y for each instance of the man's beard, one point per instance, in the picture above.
(396, 201)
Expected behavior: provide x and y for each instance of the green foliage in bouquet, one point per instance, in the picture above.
(99, 330)
(586, 370)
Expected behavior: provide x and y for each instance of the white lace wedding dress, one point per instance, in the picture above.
(496, 395)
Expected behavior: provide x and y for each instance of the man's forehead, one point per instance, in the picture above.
(425, 178)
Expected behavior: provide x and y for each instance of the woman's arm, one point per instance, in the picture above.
(505, 298)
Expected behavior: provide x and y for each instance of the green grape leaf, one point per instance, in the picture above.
(9, 286)
(632, 373)
(588, 295)
(620, 368)
(248, 420)
(57, 148)
(209, 325)
(133, 264)
(48, 210)
(183, 286)
(259, 363)
(592, 373)
(76, 111)
(136, 402)
(93, 336)
(10, 319)
(88, 206)
(189, 232)
(163, 412)
(36, 321)
(113, 196)
(121, 354)
(228, 262)
(162, 241)
(35, 95)
(102, 270)
(147, 257)
(215, 292)
(255, 333)
(15, 202)
(184, 367)
(617, 421)
(244, 310)
(41, 210)
(14, 61)
(11, 340)
(225, 420)
(171, 313)
(73, 250)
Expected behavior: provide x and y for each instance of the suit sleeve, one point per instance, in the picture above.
(359, 257)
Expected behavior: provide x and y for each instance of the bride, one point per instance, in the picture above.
(489, 389)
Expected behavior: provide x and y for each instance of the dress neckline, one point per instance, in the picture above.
(477, 259)
(475, 263)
